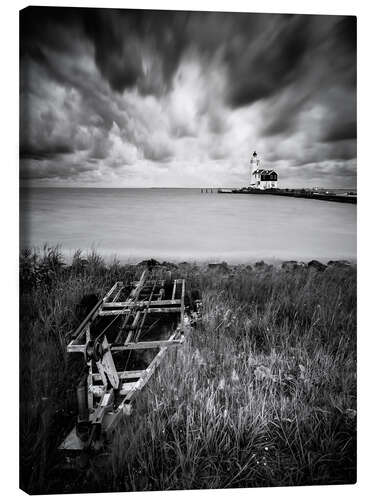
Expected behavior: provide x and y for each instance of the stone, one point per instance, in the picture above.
(221, 267)
(338, 263)
(315, 264)
(150, 263)
(289, 265)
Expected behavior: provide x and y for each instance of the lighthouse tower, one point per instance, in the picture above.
(254, 165)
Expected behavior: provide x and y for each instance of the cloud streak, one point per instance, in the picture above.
(133, 98)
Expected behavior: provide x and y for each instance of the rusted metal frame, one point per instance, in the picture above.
(142, 303)
(150, 311)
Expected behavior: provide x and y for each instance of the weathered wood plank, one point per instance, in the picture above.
(98, 390)
(146, 345)
(126, 387)
(142, 303)
(108, 294)
(76, 348)
(122, 375)
(108, 365)
(152, 310)
(89, 318)
(118, 293)
(182, 302)
(133, 326)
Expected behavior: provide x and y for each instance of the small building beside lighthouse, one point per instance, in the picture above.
(261, 178)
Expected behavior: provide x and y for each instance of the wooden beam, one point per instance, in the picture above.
(98, 390)
(152, 310)
(130, 346)
(138, 286)
(89, 318)
(142, 303)
(107, 364)
(118, 292)
(152, 344)
(126, 387)
(122, 375)
(90, 398)
(133, 326)
(76, 347)
(182, 303)
(108, 294)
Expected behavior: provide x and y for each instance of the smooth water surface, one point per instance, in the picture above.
(185, 224)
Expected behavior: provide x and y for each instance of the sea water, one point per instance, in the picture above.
(185, 224)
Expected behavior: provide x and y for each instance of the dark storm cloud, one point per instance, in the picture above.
(122, 38)
(269, 62)
(342, 132)
(53, 170)
(98, 84)
(143, 49)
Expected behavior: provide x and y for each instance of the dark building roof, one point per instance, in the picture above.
(264, 171)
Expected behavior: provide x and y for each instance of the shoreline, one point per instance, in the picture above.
(110, 257)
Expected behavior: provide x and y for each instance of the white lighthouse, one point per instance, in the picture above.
(261, 178)
(254, 165)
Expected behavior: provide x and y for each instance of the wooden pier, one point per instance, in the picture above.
(294, 193)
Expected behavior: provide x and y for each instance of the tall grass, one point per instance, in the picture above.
(263, 392)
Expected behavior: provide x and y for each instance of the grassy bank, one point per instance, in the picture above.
(263, 393)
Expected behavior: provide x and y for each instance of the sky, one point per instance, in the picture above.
(132, 98)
